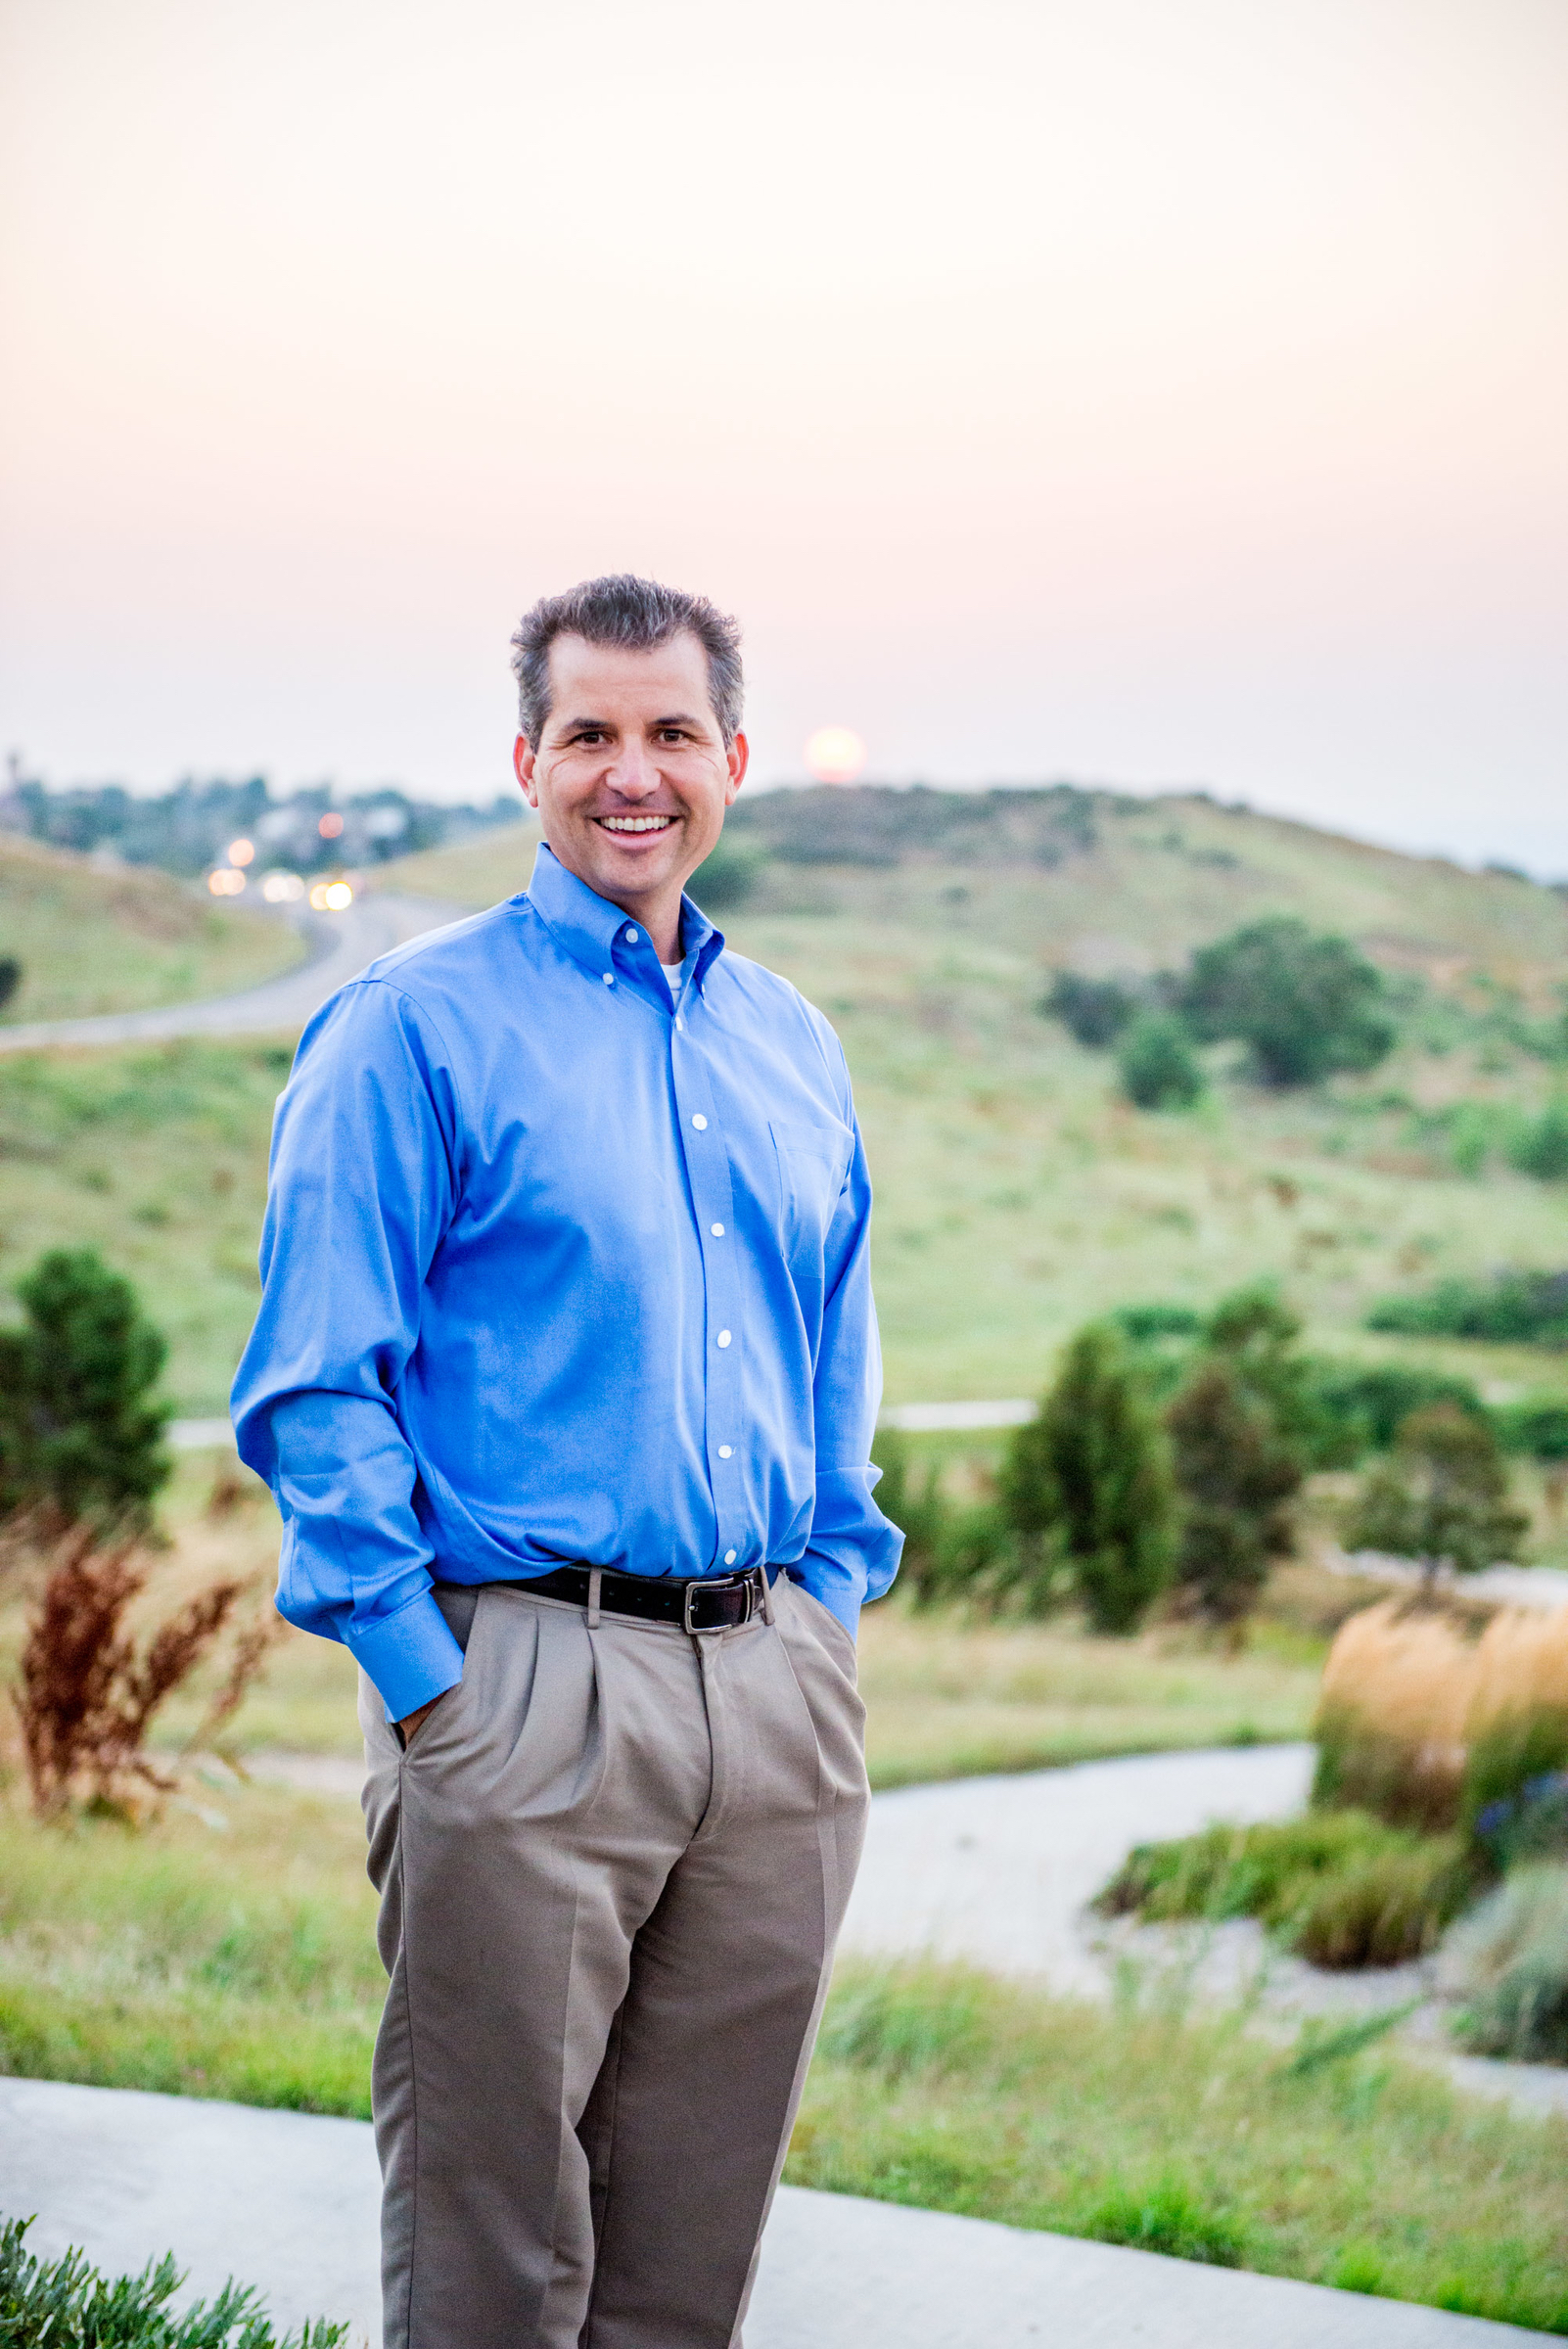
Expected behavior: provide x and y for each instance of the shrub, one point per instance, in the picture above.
(1340, 1887)
(1157, 1065)
(726, 876)
(1235, 1474)
(1516, 1722)
(1096, 1011)
(1540, 1146)
(1443, 1496)
(1509, 1960)
(1538, 1427)
(1304, 1004)
(67, 2304)
(1090, 1477)
(1362, 1404)
(920, 1515)
(9, 978)
(87, 1698)
(1510, 1309)
(79, 1430)
(1392, 1716)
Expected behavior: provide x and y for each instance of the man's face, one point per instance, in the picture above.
(632, 776)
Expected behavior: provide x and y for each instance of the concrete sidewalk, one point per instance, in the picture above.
(288, 2201)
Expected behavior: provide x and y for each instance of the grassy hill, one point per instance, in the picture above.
(1017, 1192)
(91, 940)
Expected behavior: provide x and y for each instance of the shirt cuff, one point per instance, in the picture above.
(411, 1656)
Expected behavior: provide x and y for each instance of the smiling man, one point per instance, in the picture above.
(565, 1379)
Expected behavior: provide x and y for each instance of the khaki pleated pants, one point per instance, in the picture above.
(613, 1864)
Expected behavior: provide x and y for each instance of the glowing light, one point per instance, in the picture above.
(332, 896)
(283, 889)
(835, 754)
(225, 882)
(240, 852)
(330, 826)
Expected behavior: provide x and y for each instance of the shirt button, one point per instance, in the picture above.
(718, 1230)
(723, 1337)
(609, 978)
(724, 1452)
(680, 1023)
(700, 1122)
(730, 1556)
(631, 935)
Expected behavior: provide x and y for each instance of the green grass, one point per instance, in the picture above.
(91, 941)
(237, 1960)
(155, 1155)
(951, 2091)
(1340, 1887)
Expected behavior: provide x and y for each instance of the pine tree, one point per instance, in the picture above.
(80, 1429)
(1088, 1481)
(1236, 1471)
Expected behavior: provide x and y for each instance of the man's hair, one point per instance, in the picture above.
(635, 614)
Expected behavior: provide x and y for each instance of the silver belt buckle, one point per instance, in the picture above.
(695, 1631)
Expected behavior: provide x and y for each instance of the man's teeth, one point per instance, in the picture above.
(635, 823)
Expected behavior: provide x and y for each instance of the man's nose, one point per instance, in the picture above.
(632, 772)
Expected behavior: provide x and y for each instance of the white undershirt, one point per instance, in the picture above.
(675, 978)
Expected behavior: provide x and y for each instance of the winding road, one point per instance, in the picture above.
(344, 943)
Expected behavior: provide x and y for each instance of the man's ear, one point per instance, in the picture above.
(737, 759)
(524, 761)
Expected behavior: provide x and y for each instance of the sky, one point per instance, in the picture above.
(1160, 393)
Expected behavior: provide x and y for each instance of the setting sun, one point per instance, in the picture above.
(835, 754)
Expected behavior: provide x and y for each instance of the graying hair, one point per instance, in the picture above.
(635, 614)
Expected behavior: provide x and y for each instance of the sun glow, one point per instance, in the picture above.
(835, 754)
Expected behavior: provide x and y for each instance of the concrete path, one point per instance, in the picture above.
(371, 926)
(288, 2201)
(998, 1870)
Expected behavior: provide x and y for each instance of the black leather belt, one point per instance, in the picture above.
(707, 1603)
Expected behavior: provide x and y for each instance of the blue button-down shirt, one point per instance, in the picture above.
(554, 1271)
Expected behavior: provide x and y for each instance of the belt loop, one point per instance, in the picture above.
(768, 1595)
(595, 1580)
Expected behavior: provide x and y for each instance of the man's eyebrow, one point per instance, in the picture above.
(681, 719)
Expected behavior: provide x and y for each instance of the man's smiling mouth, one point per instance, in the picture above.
(634, 823)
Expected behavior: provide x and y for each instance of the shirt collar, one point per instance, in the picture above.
(593, 931)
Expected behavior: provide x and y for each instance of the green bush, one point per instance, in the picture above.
(726, 876)
(1510, 1309)
(1338, 1886)
(1096, 1011)
(1157, 1065)
(1088, 1481)
(1305, 1005)
(9, 978)
(1235, 1473)
(67, 2304)
(1361, 1405)
(1536, 1427)
(1540, 1146)
(1509, 1959)
(78, 1425)
(919, 1511)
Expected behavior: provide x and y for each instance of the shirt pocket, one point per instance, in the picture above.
(813, 1162)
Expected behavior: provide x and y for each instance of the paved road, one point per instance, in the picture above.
(345, 943)
(288, 2200)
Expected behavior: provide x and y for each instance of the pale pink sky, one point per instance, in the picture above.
(1160, 391)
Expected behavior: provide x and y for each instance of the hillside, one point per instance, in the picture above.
(91, 940)
(1017, 1192)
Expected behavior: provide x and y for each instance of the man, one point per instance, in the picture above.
(564, 1377)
